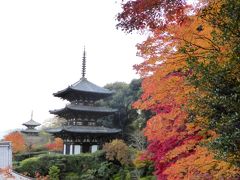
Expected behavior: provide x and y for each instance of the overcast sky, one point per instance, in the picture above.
(41, 47)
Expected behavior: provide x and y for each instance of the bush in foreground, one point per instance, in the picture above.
(77, 165)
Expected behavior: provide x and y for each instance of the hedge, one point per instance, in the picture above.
(22, 156)
(76, 164)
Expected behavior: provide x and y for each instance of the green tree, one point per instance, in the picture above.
(54, 173)
(215, 104)
(124, 96)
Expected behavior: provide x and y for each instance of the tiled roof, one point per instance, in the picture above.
(30, 131)
(83, 85)
(85, 129)
(31, 123)
(83, 108)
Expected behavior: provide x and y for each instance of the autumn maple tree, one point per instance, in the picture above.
(18, 142)
(56, 145)
(154, 14)
(176, 36)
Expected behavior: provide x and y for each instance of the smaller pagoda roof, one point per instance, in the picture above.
(85, 129)
(30, 131)
(31, 123)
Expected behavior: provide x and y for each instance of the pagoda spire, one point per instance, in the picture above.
(84, 63)
(32, 115)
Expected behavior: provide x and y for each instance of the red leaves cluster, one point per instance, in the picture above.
(160, 152)
(171, 139)
(57, 145)
(146, 14)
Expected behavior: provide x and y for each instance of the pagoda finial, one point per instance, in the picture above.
(32, 115)
(84, 64)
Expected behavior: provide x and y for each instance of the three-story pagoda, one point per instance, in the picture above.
(81, 132)
(31, 125)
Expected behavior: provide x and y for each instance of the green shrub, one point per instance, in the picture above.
(72, 176)
(26, 155)
(79, 164)
(54, 172)
(148, 178)
(73, 167)
(15, 164)
(89, 174)
(123, 174)
(105, 169)
(31, 166)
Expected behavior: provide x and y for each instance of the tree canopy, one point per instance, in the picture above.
(191, 84)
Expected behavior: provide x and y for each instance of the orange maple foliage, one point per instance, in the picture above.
(57, 145)
(202, 165)
(165, 89)
(173, 141)
(18, 142)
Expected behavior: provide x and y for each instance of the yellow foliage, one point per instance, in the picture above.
(117, 150)
(141, 160)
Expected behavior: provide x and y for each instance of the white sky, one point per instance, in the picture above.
(41, 46)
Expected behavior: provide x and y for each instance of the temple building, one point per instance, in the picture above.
(31, 125)
(82, 131)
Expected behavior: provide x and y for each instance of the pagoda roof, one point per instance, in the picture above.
(83, 108)
(83, 86)
(85, 129)
(31, 123)
(30, 131)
